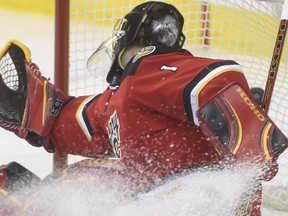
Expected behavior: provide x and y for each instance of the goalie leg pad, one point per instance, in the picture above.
(241, 130)
(14, 179)
(17, 177)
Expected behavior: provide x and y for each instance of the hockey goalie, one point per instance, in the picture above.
(165, 111)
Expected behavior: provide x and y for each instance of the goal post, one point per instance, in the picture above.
(241, 30)
(61, 61)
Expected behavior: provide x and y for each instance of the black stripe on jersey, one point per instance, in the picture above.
(85, 117)
(131, 67)
(195, 81)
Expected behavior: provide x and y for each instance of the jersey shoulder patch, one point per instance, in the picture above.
(144, 52)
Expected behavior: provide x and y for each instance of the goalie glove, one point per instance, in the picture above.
(29, 103)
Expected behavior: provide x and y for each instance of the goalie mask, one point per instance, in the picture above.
(148, 24)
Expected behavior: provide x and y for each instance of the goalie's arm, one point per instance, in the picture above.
(30, 105)
(76, 130)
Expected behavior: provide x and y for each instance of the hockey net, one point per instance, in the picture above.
(242, 30)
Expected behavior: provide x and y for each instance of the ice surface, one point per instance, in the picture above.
(201, 193)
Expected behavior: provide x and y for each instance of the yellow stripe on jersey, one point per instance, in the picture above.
(44, 102)
(194, 95)
(80, 118)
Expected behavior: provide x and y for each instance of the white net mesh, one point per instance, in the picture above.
(241, 30)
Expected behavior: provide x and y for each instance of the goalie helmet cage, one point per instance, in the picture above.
(242, 30)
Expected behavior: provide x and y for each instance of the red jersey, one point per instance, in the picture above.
(148, 122)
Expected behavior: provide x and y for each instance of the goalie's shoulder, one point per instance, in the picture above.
(150, 57)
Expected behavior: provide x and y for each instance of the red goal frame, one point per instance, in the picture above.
(61, 63)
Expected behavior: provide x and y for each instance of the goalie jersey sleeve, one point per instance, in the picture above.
(149, 121)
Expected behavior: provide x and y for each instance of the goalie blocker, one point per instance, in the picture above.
(241, 130)
(29, 103)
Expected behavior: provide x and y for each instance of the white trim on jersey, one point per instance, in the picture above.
(80, 118)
